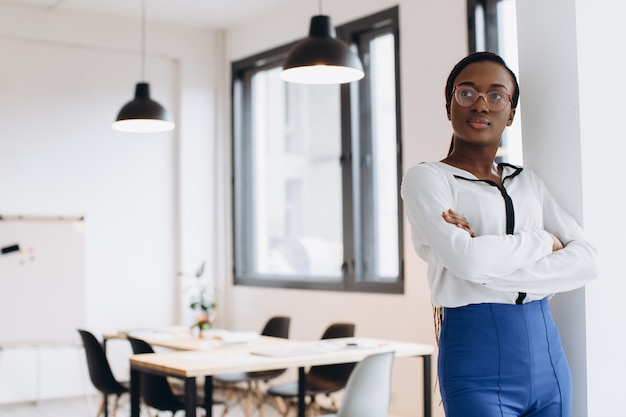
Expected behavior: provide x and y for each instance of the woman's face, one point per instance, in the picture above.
(477, 124)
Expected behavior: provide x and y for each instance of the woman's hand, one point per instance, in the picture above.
(452, 217)
(556, 243)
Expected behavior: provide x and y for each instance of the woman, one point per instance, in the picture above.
(498, 246)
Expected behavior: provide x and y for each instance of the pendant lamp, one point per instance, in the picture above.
(322, 58)
(143, 114)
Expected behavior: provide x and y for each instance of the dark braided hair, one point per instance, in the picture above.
(478, 57)
(470, 59)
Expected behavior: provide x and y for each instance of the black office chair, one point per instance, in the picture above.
(277, 326)
(320, 380)
(156, 391)
(100, 373)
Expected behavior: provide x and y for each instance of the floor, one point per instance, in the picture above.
(88, 407)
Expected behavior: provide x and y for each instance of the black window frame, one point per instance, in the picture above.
(354, 33)
(490, 29)
(490, 40)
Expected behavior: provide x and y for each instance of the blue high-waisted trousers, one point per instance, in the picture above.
(503, 360)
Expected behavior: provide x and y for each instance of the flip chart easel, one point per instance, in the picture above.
(41, 279)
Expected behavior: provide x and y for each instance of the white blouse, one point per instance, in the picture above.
(493, 266)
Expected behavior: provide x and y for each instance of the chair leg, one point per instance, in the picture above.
(333, 405)
(288, 404)
(102, 406)
(313, 408)
(231, 393)
(115, 405)
(260, 399)
(229, 397)
(249, 396)
(106, 405)
(281, 405)
(143, 407)
(250, 399)
(256, 397)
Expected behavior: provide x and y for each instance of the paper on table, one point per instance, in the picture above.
(220, 358)
(227, 336)
(290, 351)
(155, 334)
(335, 345)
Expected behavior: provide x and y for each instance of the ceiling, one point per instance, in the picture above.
(205, 13)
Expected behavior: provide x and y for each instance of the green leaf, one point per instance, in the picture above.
(200, 271)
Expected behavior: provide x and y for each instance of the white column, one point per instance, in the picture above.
(571, 76)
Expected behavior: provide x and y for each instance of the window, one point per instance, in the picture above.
(316, 170)
(493, 27)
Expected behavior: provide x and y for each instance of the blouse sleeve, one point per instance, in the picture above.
(564, 270)
(427, 193)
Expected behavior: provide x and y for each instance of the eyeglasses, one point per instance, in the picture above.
(466, 96)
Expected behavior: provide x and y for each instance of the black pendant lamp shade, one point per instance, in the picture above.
(143, 114)
(322, 58)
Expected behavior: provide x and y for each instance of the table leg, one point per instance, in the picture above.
(301, 392)
(105, 401)
(191, 397)
(427, 386)
(134, 392)
(208, 395)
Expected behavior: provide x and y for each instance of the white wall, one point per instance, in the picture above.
(601, 63)
(147, 199)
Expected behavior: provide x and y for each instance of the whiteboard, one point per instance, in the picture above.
(42, 283)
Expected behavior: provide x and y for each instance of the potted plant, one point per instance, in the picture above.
(203, 304)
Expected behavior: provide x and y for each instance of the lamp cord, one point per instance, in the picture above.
(143, 39)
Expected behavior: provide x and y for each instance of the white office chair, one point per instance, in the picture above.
(368, 390)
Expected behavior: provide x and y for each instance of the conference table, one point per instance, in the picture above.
(193, 357)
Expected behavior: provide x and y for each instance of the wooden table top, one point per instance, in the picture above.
(203, 357)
